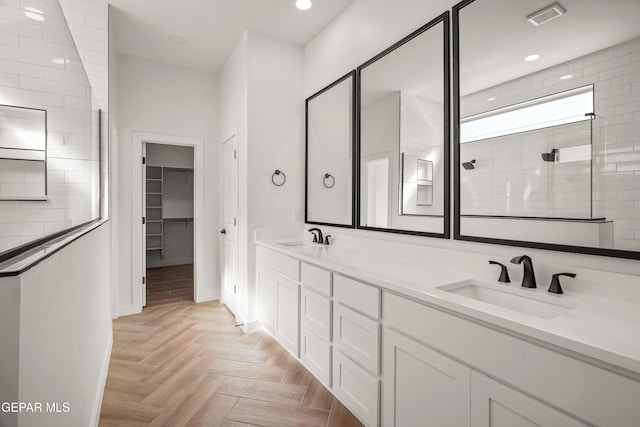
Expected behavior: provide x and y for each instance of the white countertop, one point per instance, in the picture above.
(604, 330)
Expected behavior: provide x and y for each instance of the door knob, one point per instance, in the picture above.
(223, 231)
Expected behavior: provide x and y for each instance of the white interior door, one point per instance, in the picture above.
(144, 225)
(230, 224)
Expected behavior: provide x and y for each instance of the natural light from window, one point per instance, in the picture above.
(561, 108)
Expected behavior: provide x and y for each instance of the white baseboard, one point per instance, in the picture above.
(251, 326)
(207, 296)
(103, 380)
(126, 310)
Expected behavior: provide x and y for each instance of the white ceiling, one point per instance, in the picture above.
(495, 36)
(212, 28)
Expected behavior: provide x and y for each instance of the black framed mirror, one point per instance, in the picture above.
(329, 154)
(547, 124)
(403, 138)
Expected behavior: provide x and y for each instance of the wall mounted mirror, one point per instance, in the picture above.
(330, 137)
(403, 148)
(547, 124)
(23, 153)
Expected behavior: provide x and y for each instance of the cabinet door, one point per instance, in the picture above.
(497, 405)
(266, 281)
(315, 355)
(356, 388)
(357, 336)
(421, 386)
(315, 313)
(287, 324)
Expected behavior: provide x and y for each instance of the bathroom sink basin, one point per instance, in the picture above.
(299, 244)
(509, 298)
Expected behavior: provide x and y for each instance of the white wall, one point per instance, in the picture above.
(366, 28)
(261, 100)
(112, 123)
(65, 331)
(275, 140)
(165, 99)
(88, 22)
(55, 329)
(10, 339)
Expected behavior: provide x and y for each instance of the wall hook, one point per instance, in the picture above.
(277, 173)
(328, 181)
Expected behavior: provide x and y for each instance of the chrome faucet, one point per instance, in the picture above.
(529, 278)
(317, 238)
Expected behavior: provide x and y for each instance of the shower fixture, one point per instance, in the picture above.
(551, 157)
(469, 165)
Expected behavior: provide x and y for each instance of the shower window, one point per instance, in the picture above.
(566, 107)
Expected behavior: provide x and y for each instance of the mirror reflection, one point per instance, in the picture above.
(23, 151)
(549, 122)
(403, 135)
(329, 154)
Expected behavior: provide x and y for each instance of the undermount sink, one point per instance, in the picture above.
(508, 298)
(299, 244)
(293, 244)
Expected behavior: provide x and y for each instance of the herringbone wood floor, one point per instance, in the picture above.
(183, 364)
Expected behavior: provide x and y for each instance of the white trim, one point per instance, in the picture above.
(103, 381)
(125, 310)
(137, 139)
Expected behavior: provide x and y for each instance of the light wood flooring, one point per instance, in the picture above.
(169, 284)
(186, 364)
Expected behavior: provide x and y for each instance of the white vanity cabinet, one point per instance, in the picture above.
(278, 291)
(356, 341)
(494, 404)
(422, 385)
(315, 319)
(397, 360)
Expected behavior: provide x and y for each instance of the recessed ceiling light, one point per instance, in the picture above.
(303, 4)
(33, 13)
(491, 99)
(177, 39)
(566, 77)
(61, 61)
(532, 57)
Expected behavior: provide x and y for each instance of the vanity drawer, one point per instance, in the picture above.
(362, 297)
(315, 313)
(357, 336)
(283, 264)
(356, 388)
(316, 278)
(315, 355)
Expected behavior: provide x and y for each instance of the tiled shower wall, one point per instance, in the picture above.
(40, 68)
(422, 135)
(615, 74)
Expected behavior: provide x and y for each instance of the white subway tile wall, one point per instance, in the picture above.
(493, 188)
(422, 135)
(40, 67)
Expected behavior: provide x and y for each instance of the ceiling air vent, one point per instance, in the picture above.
(546, 14)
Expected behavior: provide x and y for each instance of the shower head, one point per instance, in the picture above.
(469, 165)
(550, 157)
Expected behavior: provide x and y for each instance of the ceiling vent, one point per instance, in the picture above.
(546, 14)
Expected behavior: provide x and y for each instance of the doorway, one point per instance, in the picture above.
(168, 228)
(202, 292)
